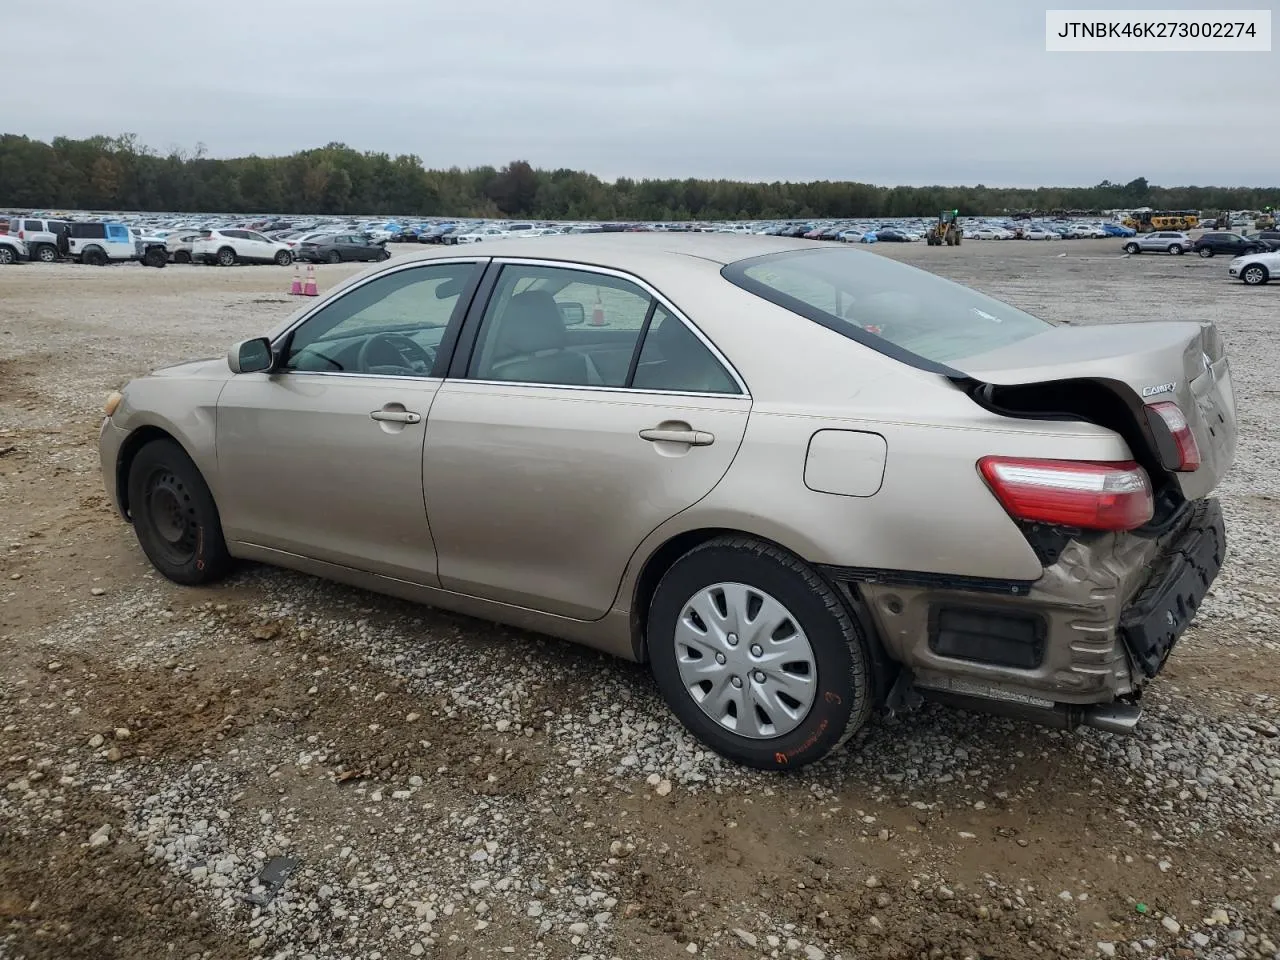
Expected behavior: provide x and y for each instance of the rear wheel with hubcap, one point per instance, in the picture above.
(226, 257)
(757, 655)
(333, 256)
(1206, 252)
(46, 253)
(174, 516)
(284, 258)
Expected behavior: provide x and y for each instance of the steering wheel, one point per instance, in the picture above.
(401, 351)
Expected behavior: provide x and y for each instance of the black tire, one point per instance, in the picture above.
(46, 253)
(174, 516)
(182, 256)
(7, 255)
(1132, 248)
(1175, 249)
(1254, 275)
(843, 692)
(94, 257)
(333, 256)
(284, 258)
(226, 257)
(384, 254)
(155, 257)
(1206, 252)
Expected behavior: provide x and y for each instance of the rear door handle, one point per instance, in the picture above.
(396, 416)
(695, 438)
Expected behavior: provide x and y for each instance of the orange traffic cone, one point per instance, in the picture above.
(295, 289)
(597, 313)
(309, 289)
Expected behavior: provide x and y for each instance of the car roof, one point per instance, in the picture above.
(629, 251)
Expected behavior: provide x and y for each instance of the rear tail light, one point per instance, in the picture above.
(1071, 493)
(1176, 421)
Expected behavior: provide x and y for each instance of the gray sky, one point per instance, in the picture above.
(892, 91)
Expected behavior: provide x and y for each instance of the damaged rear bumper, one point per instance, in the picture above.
(1066, 649)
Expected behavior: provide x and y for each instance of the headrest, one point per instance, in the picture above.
(531, 322)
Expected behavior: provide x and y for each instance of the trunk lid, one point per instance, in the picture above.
(1059, 372)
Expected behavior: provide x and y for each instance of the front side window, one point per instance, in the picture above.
(390, 326)
(900, 310)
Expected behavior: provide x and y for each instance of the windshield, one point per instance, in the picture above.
(900, 310)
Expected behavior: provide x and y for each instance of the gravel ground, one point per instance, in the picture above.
(449, 788)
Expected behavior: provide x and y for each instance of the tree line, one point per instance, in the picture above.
(119, 173)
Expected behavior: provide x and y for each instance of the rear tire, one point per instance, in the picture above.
(155, 257)
(798, 615)
(333, 256)
(226, 257)
(1254, 275)
(174, 516)
(182, 256)
(385, 254)
(94, 257)
(1206, 252)
(284, 258)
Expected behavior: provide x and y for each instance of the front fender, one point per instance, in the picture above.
(185, 409)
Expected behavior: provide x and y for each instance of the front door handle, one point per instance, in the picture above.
(694, 438)
(396, 416)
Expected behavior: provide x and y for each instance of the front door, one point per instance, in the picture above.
(565, 442)
(324, 457)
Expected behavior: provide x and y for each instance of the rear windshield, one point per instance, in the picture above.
(902, 311)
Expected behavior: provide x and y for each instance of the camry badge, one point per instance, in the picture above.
(1158, 388)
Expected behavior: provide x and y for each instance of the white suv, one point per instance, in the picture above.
(229, 247)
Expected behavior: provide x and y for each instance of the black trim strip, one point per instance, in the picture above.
(939, 581)
(470, 325)
(639, 348)
(445, 350)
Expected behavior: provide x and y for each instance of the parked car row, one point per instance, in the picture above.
(95, 243)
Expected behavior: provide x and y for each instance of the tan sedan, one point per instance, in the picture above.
(803, 483)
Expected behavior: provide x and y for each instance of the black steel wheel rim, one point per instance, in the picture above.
(172, 516)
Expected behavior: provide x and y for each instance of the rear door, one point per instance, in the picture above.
(552, 451)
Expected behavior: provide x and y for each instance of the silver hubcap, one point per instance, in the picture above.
(745, 660)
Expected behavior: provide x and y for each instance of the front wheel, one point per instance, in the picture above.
(284, 258)
(384, 254)
(1254, 275)
(174, 516)
(757, 655)
(1132, 248)
(182, 256)
(7, 255)
(1206, 252)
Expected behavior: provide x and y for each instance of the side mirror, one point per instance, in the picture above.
(250, 356)
(573, 313)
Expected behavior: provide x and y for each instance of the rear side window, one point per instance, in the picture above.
(89, 231)
(35, 226)
(907, 313)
